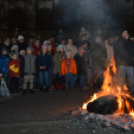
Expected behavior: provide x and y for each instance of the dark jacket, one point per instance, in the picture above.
(44, 60)
(86, 55)
(30, 65)
(98, 52)
(124, 52)
(80, 62)
(22, 46)
(22, 65)
(4, 63)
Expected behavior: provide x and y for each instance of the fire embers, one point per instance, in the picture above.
(111, 105)
(113, 98)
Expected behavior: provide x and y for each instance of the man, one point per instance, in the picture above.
(71, 47)
(124, 53)
(99, 55)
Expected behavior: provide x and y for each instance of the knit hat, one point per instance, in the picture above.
(29, 47)
(45, 42)
(20, 37)
(14, 47)
(3, 49)
(44, 46)
(81, 49)
(49, 44)
(59, 47)
(22, 51)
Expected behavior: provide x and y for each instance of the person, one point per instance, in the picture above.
(99, 55)
(71, 47)
(84, 32)
(44, 62)
(60, 36)
(59, 56)
(36, 47)
(21, 43)
(30, 69)
(30, 41)
(53, 45)
(63, 42)
(7, 44)
(80, 62)
(4, 59)
(111, 40)
(110, 51)
(15, 48)
(14, 73)
(51, 68)
(88, 62)
(69, 69)
(124, 53)
(22, 65)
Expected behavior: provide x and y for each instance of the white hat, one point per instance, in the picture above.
(14, 46)
(20, 37)
(45, 42)
(22, 51)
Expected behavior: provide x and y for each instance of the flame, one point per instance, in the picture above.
(110, 88)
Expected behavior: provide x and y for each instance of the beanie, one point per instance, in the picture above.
(29, 47)
(20, 37)
(22, 51)
(14, 47)
(3, 49)
(44, 46)
(59, 47)
(45, 42)
(49, 44)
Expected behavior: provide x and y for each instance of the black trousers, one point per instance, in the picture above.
(14, 84)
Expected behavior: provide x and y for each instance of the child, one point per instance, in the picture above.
(59, 56)
(15, 48)
(80, 61)
(4, 59)
(51, 68)
(22, 63)
(14, 73)
(69, 69)
(3, 88)
(29, 69)
(44, 61)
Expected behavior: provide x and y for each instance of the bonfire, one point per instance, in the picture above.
(113, 87)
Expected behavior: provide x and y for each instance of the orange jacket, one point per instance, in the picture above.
(73, 67)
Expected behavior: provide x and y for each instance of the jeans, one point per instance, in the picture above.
(69, 78)
(7, 79)
(81, 78)
(126, 70)
(43, 75)
(50, 76)
(58, 78)
(36, 82)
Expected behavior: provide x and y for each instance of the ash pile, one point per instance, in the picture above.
(100, 113)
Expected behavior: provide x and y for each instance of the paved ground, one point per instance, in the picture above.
(28, 110)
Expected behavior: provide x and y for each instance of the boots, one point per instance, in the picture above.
(57, 86)
(62, 86)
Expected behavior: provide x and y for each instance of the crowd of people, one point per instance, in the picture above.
(55, 64)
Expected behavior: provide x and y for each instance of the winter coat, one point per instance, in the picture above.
(80, 62)
(124, 52)
(98, 52)
(44, 60)
(36, 51)
(30, 64)
(4, 63)
(86, 55)
(73, 67)
(57, 61)
(22, 65)
(72, 48)
(14, 68)
(22, 46)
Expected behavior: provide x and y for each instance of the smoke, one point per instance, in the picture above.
(104, 14)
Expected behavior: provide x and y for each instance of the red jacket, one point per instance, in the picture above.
(53, 47)
(14, 68)
(36, 50)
